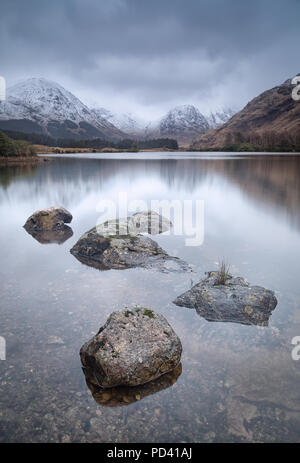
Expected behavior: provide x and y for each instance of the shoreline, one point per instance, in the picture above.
(43, 150)
(47, 157)
(8, 161)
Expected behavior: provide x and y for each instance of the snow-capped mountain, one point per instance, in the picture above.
(183, 122)
(39, 105)
(218, 118)
(126, 122)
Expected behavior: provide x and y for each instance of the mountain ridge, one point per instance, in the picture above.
(39, 105)
(183, 122)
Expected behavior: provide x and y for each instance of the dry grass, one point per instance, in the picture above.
(223, 273)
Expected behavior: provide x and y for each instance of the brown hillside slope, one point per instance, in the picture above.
(271, 119)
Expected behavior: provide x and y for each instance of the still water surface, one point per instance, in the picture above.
(238, 382)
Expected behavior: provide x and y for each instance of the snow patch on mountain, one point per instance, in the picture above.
(217, 118)
(127, 122)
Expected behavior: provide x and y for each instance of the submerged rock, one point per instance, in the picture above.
(235, 301)
(53, 218)
(124, 251)
(141, 222)
(125, 395)
(136, 345)
(52, 236)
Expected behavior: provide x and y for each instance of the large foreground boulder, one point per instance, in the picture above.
(126, 395)
(123, 252)
(234, 301)
(52, 218)
(136, 345)
(149, 222)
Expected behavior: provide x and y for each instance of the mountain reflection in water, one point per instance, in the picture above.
(269, 181)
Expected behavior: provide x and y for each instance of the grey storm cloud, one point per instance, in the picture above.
(151, 55)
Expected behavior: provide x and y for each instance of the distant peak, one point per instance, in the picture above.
(40, 82)
(184, 108)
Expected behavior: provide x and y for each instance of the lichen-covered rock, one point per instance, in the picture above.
(235, 301)
(52, 236)
(126, 395)
(124, 251)
(136, 345)
(52, 218)
(149, 222)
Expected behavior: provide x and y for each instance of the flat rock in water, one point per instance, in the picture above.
(235, 301)
(136, 345)
(123, 252)
(149, 222)
(53, 218)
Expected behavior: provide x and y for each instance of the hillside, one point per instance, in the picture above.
(271, 120)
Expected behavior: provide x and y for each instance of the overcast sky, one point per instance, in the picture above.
(147, 56)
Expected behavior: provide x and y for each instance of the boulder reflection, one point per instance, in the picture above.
(256, 317)
(121, 395)
(52, 236)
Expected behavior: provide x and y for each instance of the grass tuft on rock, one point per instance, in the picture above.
(223, 274)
